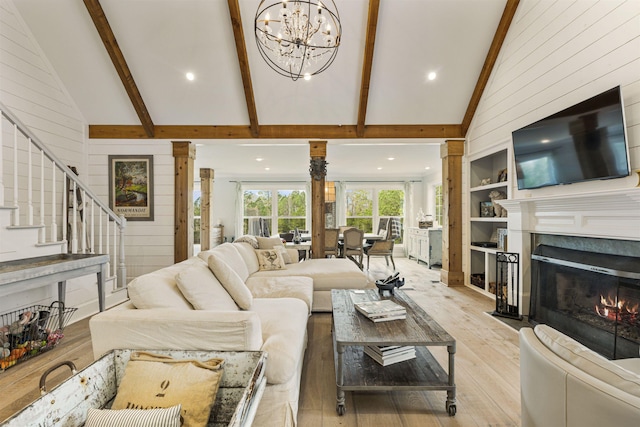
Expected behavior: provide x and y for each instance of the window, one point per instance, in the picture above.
(197, 198)
(367, 206)
(439, 203)
(272, 211)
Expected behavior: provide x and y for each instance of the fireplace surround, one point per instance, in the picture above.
(591, 296)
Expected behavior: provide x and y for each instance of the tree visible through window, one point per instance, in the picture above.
(367, 206)
(439, 203)
(287, 209)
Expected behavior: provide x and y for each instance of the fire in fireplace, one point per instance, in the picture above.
(592, 297)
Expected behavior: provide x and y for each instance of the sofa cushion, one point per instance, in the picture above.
(588, 361)
(231, 281)
(270, 259)
(202, 289)
(232, 257)
(159, 288)
(268, 242)
(282, 340)
(248, 254)
(327, 273)
(282, 287)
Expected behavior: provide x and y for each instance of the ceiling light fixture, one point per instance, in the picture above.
(190, 76)
(432, 75)
(298, 38)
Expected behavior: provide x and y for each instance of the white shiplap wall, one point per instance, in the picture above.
(556, 54)
(148, 244)
(31, 90)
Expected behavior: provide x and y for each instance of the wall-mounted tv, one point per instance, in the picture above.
(584, 142)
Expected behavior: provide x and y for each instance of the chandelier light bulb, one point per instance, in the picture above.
(307, 76)
(301, 40)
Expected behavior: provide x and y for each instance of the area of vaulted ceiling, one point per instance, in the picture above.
(161, 43)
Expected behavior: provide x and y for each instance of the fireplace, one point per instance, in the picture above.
(590, 296)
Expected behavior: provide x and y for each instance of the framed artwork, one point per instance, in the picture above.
(486, 209)
(131, 187)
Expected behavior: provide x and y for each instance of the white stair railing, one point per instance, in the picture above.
(63, 196)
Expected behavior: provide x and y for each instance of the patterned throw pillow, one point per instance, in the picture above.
(270, 259)
(157, 417)
(247, 238)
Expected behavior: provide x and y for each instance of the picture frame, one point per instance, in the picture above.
(131, 186)
(486, 210)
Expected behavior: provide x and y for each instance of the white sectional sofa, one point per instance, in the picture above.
(222, 300)
(565, 384)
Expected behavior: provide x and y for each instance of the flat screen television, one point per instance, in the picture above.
(584, 142)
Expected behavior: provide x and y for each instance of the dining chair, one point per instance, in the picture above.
(353, 245)
(288, 237)
(380, 248)
(331, 236)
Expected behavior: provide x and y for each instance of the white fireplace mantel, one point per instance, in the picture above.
(611, 214)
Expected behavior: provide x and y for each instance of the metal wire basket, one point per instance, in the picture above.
(30, 331)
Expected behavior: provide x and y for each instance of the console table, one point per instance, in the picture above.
(30, 273)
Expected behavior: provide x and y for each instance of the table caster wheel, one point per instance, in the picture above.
(451, 409)
(341, 409)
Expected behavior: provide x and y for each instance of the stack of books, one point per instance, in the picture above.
(391, 354)
(381, 311)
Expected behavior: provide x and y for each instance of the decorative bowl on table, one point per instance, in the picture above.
(389, 284)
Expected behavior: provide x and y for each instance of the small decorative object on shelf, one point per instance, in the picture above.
(507, 285)
(381, 311)
(502, 175)
(502, 239)
(497, 208)
(389, 284)
(424, 220)
(486, 210)
(485, 181)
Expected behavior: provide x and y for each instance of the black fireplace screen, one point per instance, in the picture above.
(592, 297)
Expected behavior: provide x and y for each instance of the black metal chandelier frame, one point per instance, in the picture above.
(304, 47)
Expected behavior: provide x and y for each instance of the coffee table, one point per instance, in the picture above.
(353, 331)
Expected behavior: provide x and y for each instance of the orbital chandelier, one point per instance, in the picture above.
(298, 38)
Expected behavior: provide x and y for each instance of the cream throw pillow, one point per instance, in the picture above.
(268, 242)
(231, 282)
(270, 259)
(284, 253)
(201, 288)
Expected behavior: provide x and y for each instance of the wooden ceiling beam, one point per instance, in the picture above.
(276, 131)
(367, 64)
(117, 57)
(243, 61)
(489, 62)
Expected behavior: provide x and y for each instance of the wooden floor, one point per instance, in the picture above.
(487, 366)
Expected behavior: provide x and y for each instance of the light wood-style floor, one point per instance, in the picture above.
(487, 366)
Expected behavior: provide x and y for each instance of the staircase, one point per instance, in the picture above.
(45, 209)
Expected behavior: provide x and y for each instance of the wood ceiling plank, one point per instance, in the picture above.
(243, 61)
(117, 57)
(276, 131)
(492, 56)
(367, 64)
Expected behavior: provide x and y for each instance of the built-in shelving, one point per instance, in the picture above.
(482, 260)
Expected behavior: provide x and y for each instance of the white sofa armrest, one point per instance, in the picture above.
(157, 329)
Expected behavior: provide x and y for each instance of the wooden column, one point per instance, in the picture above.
(451, 153)
(184, 153)
(318, 171)
(206, 205)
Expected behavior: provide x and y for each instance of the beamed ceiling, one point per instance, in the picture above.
(123, 62)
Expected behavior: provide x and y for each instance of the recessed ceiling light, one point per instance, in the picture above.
(267, 168)
(379, 168)
(190, 76)
(428, 167)
(391, 158)
(545, 141)
(432, 75)
(259, 159)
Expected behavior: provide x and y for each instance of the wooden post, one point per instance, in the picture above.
(451, 153)
(184, 154)
(318, 171)
(206, 200)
